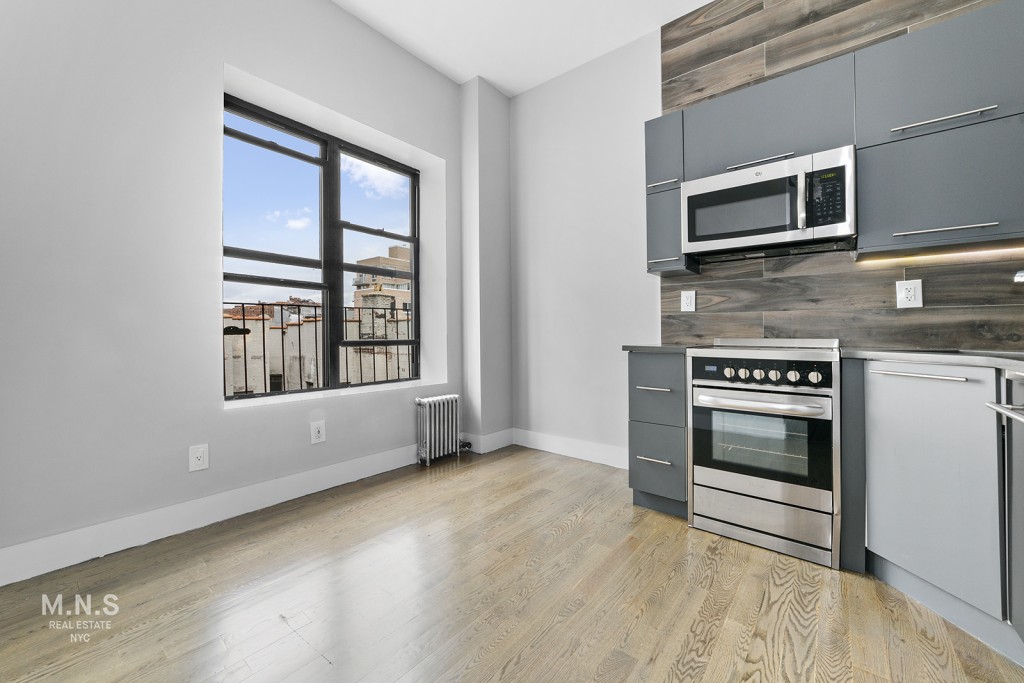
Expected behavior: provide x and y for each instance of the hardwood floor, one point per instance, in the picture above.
(516, 566)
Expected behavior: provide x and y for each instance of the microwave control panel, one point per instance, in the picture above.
(826, 197)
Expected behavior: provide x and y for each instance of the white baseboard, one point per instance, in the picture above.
(574, 448)
(485, 443)
(23, 561)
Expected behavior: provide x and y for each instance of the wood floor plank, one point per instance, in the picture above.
(517, 566)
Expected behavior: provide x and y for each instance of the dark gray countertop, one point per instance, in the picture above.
(656, 349)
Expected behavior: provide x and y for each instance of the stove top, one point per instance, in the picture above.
(767, 363)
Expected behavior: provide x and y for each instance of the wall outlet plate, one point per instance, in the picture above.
(909, 294)
(317, 432)
(688, 301)
(198, 457)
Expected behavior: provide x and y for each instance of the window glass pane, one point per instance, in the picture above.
(375, 197)
(276, 345)
(378, 307)
(240, 123)
(369, 363)
(271, 201)
(376, 251)
(243, 266)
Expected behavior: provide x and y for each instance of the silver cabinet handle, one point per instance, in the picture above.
(651, 388)
(662, 260)
(660, 462)
(946, 378)
(759, 161)
(955, 227)
(761, 407)
(982, 110)
(1009, 411)
(663, 182)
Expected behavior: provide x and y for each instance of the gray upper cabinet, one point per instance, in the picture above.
(807, 111)
(960, 186)
(968, 63)
(663, 149)
(664, 231)
(932, 454)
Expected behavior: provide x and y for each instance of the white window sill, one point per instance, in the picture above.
(317, 395)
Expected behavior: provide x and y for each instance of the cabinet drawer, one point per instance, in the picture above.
(958, 186)
(657, 390)
(657, 459)
(963, 65)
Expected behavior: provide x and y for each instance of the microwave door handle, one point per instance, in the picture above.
(761, 406)
(801, 203)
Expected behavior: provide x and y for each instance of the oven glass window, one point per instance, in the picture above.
(795, 450)
(776, 444)
(758, 208)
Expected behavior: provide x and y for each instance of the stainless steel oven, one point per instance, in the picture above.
(764, 444)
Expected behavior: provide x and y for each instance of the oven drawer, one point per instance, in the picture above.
(657, 388)
(657, 459)
(798, 524)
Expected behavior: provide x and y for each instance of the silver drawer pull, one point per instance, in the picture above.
(652, 388)
(1012, 412)
(663, 182)
(761, 406)
(900, 129)
(955, 227)
(660, 462)
(946, 378)
(759, 161)
(662, 260)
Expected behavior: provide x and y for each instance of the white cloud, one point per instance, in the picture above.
(376, 182)
(273, 215)
(298, 223)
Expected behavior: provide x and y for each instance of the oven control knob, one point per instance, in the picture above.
(814, 376)
(774, 375)
(758, 374)
(729, 373)
(743, 373)
(793, 376)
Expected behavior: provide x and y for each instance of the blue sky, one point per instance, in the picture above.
(272, 203)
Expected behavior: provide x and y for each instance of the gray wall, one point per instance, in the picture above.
(487, 263)
(110, 200)
(580, 290)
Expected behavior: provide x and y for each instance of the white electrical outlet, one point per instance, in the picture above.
(317, 432)
(909, 294)
(198, 457)
(688, 301)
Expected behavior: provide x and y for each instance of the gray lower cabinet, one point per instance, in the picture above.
(968, 63)
(933, 494)
(1015, 501)
(663, 147)
(940, 191)
(810, 110)
(657, 433)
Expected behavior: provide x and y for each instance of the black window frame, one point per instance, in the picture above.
(332, 264)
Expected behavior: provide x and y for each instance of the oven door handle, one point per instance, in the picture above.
(761, 406)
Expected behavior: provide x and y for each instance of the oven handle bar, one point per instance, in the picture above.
(761, 407)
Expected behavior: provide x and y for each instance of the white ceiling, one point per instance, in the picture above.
(515, 45)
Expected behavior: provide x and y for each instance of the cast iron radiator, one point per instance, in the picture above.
(437, 427)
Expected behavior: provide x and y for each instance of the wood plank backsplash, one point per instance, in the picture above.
(970, 301)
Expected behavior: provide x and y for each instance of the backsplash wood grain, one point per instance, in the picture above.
(970, 300)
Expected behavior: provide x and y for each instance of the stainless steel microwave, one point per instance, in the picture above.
(795, 205)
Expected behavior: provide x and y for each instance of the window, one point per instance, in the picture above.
(321, 256)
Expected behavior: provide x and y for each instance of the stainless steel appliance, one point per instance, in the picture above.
(763, 442)
(772, 206)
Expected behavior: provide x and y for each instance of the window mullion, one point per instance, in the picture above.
(334, 276)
